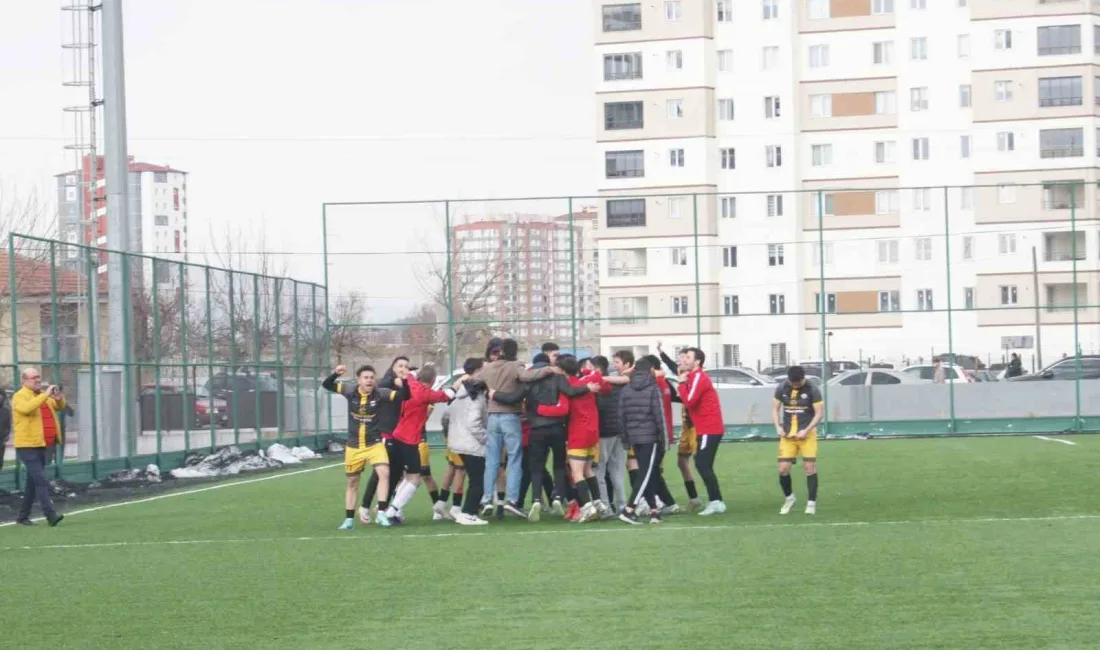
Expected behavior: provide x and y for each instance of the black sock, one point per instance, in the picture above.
(434, 494)
(633, 476)
(444, 496)
(458, 499)
(500, 497)
(383, 506)
(349, 514)
(690, 487)
(582, 493)
(811, 486)
(785, 483)
(593, 487)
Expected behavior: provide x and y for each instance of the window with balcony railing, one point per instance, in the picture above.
(1060, 196)
(1060, 91)
(1059, 39)
(1061, 143)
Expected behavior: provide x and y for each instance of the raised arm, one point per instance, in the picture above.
(667, 360)
(27, 405)
(566, 388)
(527, 375)
(333, 384)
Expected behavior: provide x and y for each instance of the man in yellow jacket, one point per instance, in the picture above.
(34, 419)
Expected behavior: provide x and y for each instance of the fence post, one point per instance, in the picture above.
(448, 292)
(128, 360)
(280, 395)
(313, 340)
(13, 306)
(950, 326)
(210, 357)
(297, 371)
(92, 271)
(155, 295)
(822, 307)
(231, 375)
(257, 351)
(55, 334)
(188, 405)
(1077, 424)
(328, 320)
(698, 290)
(573, 276)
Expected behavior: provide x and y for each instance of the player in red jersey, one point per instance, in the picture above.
(583, 438)
(701, 401)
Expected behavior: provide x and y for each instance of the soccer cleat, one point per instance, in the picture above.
(587, 513)
(602, 509)
(606, 516)
(811, 507)
(383, 520)
(557, 508)
(364, 515)
(437, 517)
(629, 518)
(513, 509)
(573, 512)
(464, 519)
(788, 503)
(455, 512)
(348, 524)
(694, 505)
(533, 514)
(642, 509)
(713, 508)
(487, 509)
(673, 509)
(439, 511)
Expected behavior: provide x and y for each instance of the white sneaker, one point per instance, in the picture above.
(470, 520)
(437, 516)
(455, 512)
(557, 508)
(660, 504)
(439, 511)
(588, 513)
(673, 509)
(642, 510)
(713, 508)
(602, 509)
(788, 503)
(534, 512)
(694, 505)
(811, 507)
(364, 515)
(487, 509)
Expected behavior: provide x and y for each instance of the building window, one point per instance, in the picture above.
(725, 109)
(816, 259)
(1002, 91)
(1061, 143)
(918, 99)
(676, 207)
(775, 254)
(888, 251)
(731, 306)
(1006, 243)
(1096, 39)
(622, 18)
(889, 301)
(1002, 39)
(1006, 141)
(674, 59)
(918, 49)
(771, 107)
(729, 257)
(882, 6)
(675, 157)
(1060, 91)
(821, 155)
(924, 300)
(725, 11)
(823, 201)
(679, 257)
(160, 177)
(622, 66)
(886, 152)
(1008, 294)
(1058, 39)
(964, 96)
(771, 9)
(773, 154)
(966, 198)
(964, 146)
(819, 9)
(729, 207)
(779, 354)
(962, 46)
(819, 56)
(729, 158)
(680, 305)
(675, 108)
(160, 220)
(886, 102)
(922, 199)
(968, 298)
(821, 105)
(625, 164)
(830, 303)
(163, 271)
(920, 148)
(623, 115)
(923, 249)
(917, 5)
(1006, 194)
(777, 303)
(1057, 196)
(731, 354)
(725, 60)
(625, 213)
(887, 202)
(882, 52)
(775, 205)
(673, 10)
(968, 247)
(769, 57)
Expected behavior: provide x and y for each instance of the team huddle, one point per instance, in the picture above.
(597, 429)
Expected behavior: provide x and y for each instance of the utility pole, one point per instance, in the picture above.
(1035, 291)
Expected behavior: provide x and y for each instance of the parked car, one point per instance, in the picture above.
(223, 386)
(738, 378)
(835, 368)
(873, 377)
(927, 372)
(1064, 369)
(205, 408)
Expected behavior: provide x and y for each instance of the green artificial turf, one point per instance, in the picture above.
(937, 543)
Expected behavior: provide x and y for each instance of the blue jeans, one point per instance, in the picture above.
(504, 432)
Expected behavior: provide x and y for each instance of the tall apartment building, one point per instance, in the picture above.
(741, 122)
(520, 269)
(158, 214)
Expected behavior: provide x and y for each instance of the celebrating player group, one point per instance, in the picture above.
(507, 420)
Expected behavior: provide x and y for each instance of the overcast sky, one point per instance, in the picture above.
(275, 106)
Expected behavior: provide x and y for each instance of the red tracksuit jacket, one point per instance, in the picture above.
(414, 411)
(701, 401)
(584, 416)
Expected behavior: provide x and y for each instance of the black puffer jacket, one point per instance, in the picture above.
(390, 412)
(641, 412)
(545, 391)
(611, 424)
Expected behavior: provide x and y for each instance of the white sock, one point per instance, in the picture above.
(405, 493)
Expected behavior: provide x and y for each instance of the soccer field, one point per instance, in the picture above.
(952, 543)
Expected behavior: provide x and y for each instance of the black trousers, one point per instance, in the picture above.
(475, 479)
(704, 462)
(648, 481)
(543, 441)
(37, 489)
(525, 479)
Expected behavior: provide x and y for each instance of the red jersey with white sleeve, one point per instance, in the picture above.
(414, 411)
(701, 401)
(584, 415)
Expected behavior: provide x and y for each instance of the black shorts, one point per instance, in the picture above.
(406, 456)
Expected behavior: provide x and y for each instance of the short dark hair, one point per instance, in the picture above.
(643, 366)
(364, 368)
(569, 364)
(509, 349)
(654, 362)
(600, 362)
(626, 356)
(549, 347)
(796, 374)
(585, 360)
(698, 355)
(398, 358)
(494, 345)
(472, 365)
(540, 358)
(427, 374)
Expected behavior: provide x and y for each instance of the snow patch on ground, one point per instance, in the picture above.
(335, 447)
(303, 453)
(230, 461)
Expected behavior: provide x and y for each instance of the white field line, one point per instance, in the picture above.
(1064, 442)
(183, 493)
(570, 530)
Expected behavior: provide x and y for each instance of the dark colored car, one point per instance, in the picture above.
(1066, 369)
(205, 407)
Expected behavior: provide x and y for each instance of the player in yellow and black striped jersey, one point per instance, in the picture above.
(364, 442)
(797, 410)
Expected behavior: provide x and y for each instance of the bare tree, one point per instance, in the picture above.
(347, 337)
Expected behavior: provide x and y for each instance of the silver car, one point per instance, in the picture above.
(873, 377)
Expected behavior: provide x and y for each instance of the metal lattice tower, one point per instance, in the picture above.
(79, 71)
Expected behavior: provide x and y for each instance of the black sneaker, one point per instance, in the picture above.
(629, 518)
(512, 508)
(25, 522)
(55, 520)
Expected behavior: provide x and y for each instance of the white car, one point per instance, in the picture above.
(927, 372)
(738, 378)
(873, 377)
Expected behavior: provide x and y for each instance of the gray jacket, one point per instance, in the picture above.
(641, 412)
(466, 418)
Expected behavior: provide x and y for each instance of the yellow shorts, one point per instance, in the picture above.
(357, 458)
(584, 453)
(455, 460)
(791, 448)
(689, 442)
(425, 454)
